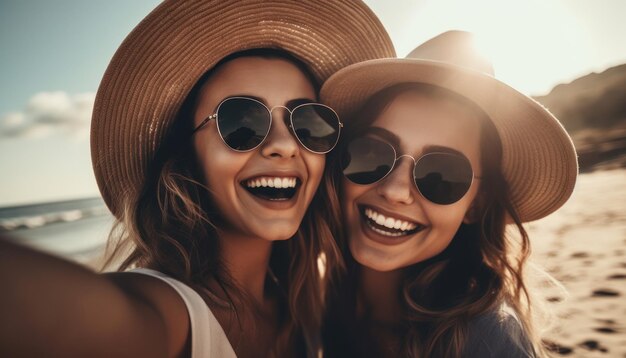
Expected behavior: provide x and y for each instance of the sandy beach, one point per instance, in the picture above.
(583, 245)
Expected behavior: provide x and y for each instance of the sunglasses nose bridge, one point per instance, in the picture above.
(279, 106)
(408, 156)
(398, 163)
(287, 118)
(280, 140)
(287, 110)
(397, 186)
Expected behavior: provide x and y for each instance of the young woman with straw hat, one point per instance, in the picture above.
(438, 159)
(208, 146)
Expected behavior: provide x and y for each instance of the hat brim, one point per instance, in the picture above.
(159, 62)
(538, 156)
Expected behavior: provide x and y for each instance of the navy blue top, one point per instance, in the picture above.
(497, 334)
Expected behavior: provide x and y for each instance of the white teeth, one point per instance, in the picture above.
(389, 222)
(383, 232)
(272, 182)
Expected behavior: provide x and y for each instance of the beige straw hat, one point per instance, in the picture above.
(539, 160)
(162, 58)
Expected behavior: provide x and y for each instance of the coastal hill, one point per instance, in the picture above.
(592, 109)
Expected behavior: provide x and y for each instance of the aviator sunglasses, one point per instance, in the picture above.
(243, 124)
(440, 177)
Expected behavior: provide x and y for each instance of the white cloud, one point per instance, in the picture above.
(48, 114)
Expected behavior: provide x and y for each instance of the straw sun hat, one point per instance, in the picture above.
(538, 157)
(162, 58)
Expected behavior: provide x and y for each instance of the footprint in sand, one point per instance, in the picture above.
(619, 276)
(605, 292)
(557, 348)
(607, 326)
(580, 255)
(608, 330)
(593, 345)
(560, 232)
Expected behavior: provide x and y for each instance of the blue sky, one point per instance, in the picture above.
(53, 54)
(60, 44)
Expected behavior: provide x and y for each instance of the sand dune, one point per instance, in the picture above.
(583, 245)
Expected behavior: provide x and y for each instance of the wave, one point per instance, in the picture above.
(43, 214)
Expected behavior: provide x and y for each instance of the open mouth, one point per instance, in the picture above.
(387, 225)
(272, 188)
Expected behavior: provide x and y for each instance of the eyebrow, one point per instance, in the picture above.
(291, 104)
(394, 140)
(385, 134)
(440, 148)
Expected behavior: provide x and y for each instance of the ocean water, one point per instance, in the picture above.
(73, 229)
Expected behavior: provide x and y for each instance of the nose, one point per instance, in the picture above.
(280, 143)
(398, 187)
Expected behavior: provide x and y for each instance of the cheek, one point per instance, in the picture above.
(315, 167)
(218, 163)
(446, 220)
(349, 193)
(314, 164)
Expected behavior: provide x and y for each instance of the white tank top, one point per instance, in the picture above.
(208, 339)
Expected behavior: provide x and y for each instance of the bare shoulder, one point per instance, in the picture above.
(164, 301)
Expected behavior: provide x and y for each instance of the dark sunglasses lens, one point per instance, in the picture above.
(443, 178)
(316, 126)
(367, 160)
(243, 123)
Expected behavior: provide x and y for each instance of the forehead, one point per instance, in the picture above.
(419, 120)
(274, 76)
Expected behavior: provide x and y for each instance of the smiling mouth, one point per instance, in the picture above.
(272, 188)
(387, 225)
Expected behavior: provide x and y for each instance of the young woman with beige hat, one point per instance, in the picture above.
(438, 163)
(208, 146)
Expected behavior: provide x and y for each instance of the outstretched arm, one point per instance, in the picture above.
(49, 306)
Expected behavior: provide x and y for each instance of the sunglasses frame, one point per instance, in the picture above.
(270, 110)
(415, 161)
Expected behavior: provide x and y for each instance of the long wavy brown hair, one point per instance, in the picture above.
(171, 226)
(480, 270)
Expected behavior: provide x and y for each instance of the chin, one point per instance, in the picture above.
(277, 233)
(371, 258)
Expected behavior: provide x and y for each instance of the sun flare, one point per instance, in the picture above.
(531, 43)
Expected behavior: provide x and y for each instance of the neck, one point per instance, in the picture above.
(379, 294)
(247, 260)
